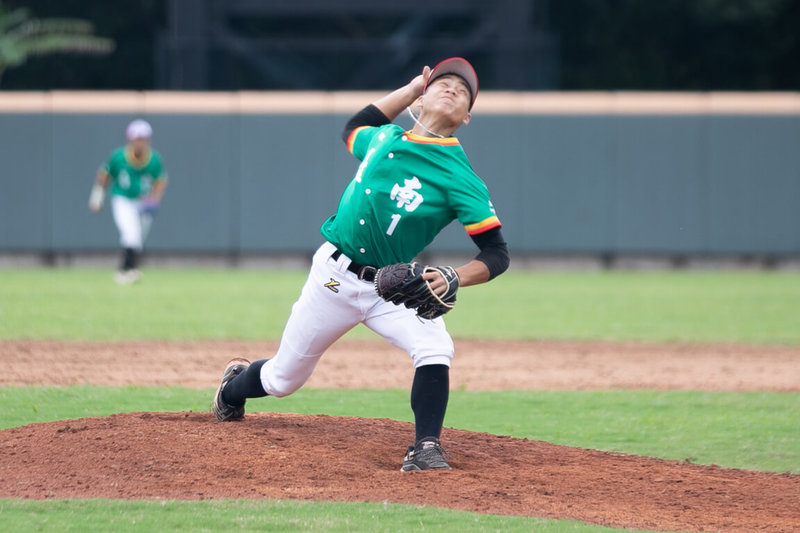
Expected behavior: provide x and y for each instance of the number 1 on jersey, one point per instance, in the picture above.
(395, 219)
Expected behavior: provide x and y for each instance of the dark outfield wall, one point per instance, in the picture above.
(584, 174)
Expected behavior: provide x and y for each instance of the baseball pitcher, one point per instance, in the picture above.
(408, 187)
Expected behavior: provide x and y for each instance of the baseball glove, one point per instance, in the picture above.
(402, 283)
(148, 206)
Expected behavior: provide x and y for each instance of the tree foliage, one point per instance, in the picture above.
(23, 37)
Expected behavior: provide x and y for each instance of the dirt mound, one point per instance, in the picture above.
(478, 365)
(190, 456)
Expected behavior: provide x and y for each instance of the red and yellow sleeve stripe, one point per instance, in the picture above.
(351, 139)
(484, 225)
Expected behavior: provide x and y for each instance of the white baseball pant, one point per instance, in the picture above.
(333, 301)
(132, 225)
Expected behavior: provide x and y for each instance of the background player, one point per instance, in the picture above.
(409, 186)
(138, 181)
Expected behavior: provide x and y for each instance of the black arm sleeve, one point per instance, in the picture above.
(369, 116)
(494, 251)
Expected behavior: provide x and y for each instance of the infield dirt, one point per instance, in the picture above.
(187, 455)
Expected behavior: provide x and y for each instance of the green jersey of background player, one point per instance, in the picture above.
(409, 185)
(132, 177)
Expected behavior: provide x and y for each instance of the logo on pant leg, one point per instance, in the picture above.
(332, 285)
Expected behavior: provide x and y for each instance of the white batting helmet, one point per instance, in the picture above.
(139, 129)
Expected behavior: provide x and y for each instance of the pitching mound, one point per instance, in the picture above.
(191, 456)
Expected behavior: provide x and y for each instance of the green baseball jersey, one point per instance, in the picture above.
(406, 190)
(132, 178)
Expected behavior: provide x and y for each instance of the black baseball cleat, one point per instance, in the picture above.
(427, 454)
(222, 410)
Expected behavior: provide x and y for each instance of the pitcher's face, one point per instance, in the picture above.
(448, 96)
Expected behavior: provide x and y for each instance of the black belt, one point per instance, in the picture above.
(364, 272)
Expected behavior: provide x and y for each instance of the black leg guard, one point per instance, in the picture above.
(245, 385)
(429, 395)
(129, 259)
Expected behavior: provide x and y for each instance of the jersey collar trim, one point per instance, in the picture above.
(137, 163)
(447, 141)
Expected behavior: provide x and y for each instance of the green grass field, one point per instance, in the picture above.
(749, 307)
(743, 430)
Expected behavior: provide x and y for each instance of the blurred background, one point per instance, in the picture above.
(674, 45)
(610, 132)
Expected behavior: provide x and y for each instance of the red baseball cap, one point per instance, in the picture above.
(460, 67)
